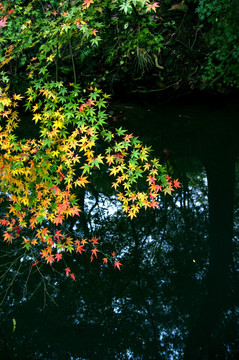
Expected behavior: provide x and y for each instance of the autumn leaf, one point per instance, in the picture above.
(58, 219)
(49, 259)
(94, 240)
(117, 265)
(86, 4)
(80, 249)
(3, 22)
(67, 270)
(81, 181)
(176, 184)
(7, 237)
(58, 256)
(58, 235)
(72, 275)
(152, 6)
(75, 211)
(94, 252)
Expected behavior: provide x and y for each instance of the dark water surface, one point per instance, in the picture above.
(176, 296)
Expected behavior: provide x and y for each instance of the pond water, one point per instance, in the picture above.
(149, 309)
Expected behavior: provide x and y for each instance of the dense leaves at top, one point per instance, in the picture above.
(41, 176)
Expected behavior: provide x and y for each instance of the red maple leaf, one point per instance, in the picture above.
(117, 265)
(80, 249)
(4, 222)
(58, 235)
(72, 275)
(67, 270)
(58, 257)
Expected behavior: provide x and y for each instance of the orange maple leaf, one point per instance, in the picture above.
(75, 211)
(176, 184)
(58, 219)
(86, 4)
(94, 252)
(94, 240)
(8, 237)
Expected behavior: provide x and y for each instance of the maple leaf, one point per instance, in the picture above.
(105, 260)
(72, 275)
(7, 237)
(94, 252)
(58, 256)
(117, 265)
(58, 219)
(86, 4)
(49, 259)
(17, 97)
(153, 6)
(151, 179)
(75, 211)
(94, 240)
(67, 270)
(80, 249)
(3, 22)
(154, 204)
(4, 222)
(127, 137)
(44, 253)
(94, 31)
(58, 235)
(90, 102)
(176, 184)
(84, 241)
(81, 181)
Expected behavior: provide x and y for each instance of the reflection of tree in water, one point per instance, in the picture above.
(150, 308)
(143, 312)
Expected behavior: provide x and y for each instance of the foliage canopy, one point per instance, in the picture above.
(42, 177)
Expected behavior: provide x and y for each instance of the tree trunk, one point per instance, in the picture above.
(219, 157)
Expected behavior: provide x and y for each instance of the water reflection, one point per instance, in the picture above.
(145, 311)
